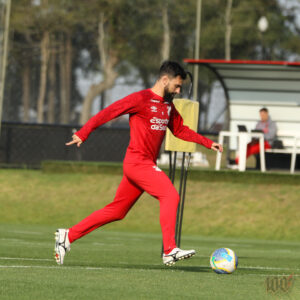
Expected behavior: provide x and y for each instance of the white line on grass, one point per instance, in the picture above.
(106, 244)
(100, 268)
(45, 267)
(267, 275)
(201, 266)
(267, 268)
(25, 258)
(26, 243)
(25, 232)
(117, 269)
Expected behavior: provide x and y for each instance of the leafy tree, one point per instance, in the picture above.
(51, 40)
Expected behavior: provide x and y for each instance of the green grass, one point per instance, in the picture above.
(195, 173)
(252, 214)
(127, 265)
(238, 208)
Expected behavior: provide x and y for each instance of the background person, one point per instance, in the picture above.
(269, 129)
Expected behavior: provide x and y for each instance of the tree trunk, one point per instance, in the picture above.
(52, 88)
(63, 80)
(43, 76)
(108, 62)
(65, 68)
(26, 90)
(103, 97)
(68, 81)
(94, 91)
(228, 30)
(165, 50)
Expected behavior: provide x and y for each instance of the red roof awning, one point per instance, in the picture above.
(237, 61)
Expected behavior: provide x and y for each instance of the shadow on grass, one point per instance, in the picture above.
(192, 269)
(175, 268)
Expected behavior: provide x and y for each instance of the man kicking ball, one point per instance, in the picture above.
(150, 111)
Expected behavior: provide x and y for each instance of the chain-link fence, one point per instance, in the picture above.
(30, 144)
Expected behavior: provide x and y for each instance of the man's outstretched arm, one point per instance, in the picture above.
(127, 105)
(185, 133)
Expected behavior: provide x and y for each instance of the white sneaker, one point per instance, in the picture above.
(177, 254)
(62, 245)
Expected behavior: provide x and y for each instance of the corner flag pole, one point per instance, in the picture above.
(4, 58)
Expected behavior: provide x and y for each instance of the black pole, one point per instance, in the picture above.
(191, 84)
(183, 198)
(174, 167)
(180, 200)
(183, 178)
(182, 188)
(170, 165)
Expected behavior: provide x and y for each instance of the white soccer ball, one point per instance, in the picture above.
(224, 261)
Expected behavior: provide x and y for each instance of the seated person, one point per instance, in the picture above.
(269, 129)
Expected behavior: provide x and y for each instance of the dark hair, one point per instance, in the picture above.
(172, 69)
(264, 109)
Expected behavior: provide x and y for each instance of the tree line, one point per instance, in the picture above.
(51, 40)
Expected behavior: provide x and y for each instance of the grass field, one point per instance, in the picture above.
(258, 217)
(127, 265)
(249, 207)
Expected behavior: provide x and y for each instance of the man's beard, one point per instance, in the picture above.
(167, 95)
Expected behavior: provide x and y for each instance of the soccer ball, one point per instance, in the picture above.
(223, 261)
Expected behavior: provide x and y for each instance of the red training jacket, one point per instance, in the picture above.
(149, 116)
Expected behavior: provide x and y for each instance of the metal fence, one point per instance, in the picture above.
(29, 144)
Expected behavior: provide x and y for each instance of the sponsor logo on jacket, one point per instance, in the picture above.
(159, 124)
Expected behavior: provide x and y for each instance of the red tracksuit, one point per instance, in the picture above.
(253, 148)
(149, 116)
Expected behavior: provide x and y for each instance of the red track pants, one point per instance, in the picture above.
(253, 148)
(137, 178)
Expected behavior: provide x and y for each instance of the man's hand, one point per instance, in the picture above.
(217, 147)
(76, 140)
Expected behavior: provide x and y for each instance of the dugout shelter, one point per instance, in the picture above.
(251, 85)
